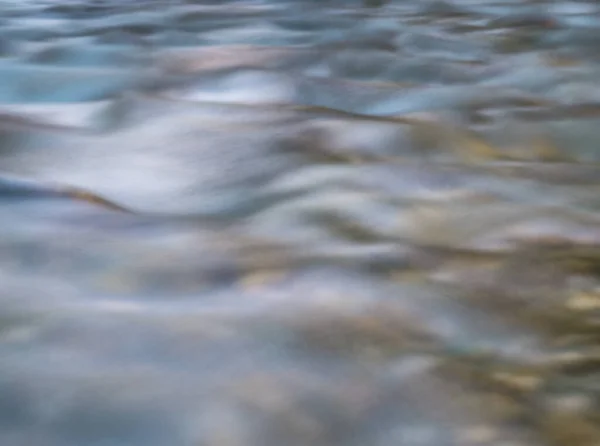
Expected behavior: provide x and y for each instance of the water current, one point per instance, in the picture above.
(300, 223)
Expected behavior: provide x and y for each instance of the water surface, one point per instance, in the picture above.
(312, 223)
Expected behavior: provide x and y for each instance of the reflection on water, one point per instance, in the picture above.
(301, 223)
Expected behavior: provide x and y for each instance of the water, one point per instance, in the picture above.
(300, 223)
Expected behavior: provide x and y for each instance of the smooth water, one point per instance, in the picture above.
(300, 223)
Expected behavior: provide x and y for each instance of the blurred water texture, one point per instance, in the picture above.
(323, 223)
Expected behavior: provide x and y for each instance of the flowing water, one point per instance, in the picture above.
(265, 223)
